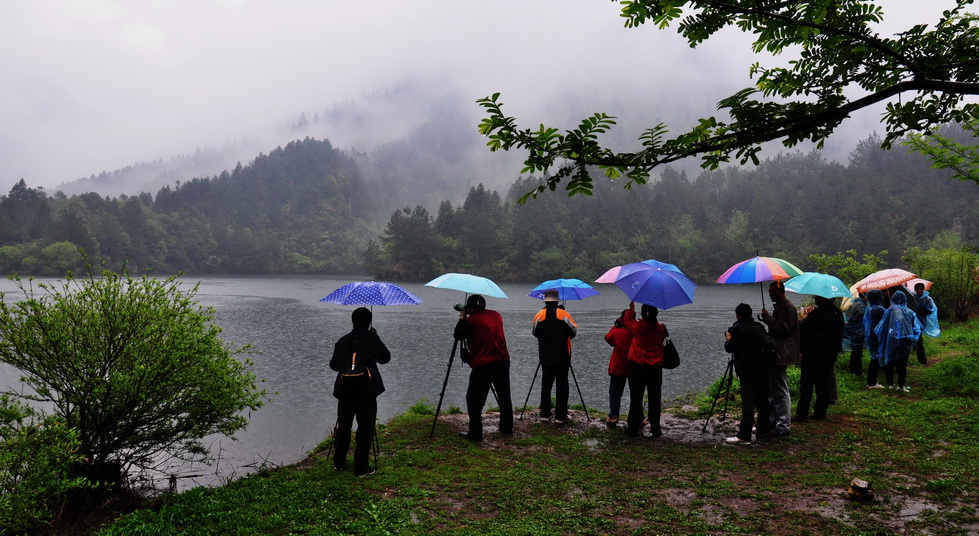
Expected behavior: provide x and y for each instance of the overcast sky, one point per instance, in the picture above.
(96, 85)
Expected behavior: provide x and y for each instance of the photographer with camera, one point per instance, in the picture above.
(481, 331)
(746, 341)
(357, 386)
(554, 328)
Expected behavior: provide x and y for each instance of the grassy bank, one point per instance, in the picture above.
(919, 450)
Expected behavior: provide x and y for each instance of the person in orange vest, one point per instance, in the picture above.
(554, 328)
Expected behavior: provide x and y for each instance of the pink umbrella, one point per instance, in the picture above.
(909, 284)
(884, 279)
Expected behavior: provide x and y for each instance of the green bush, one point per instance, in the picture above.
(35, 459)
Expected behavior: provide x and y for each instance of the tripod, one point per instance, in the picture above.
(726, 380)
(587, 417)
(445, 382)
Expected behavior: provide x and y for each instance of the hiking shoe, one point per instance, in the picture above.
(875, 386)
(738, 441)
(368, 471)
(612, 419)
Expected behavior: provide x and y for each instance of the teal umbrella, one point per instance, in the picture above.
(471, 284)
(817, 284)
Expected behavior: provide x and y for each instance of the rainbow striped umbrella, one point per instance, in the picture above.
(758, 269)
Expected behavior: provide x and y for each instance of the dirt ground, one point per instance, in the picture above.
(894, 514)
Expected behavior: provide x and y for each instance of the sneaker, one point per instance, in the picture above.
(545, 419)
(890, 386)
(339, 466)
(612, 419)
(562, 421)
(906, 389)
(369, 471)
(875, 386)
(737, 441)
(467, 435)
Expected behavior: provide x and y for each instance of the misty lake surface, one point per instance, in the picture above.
(293, 334)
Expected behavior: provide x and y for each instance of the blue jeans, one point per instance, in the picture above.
(616, 386)
(780, 401)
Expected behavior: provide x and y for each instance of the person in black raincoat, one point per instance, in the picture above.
(821, 340)
(357, 398)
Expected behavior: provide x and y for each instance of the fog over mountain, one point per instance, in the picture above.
(141, 94)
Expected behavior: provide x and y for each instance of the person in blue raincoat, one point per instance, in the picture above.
(927, 313)
(871, 318)
(854, 333)
(897, 332)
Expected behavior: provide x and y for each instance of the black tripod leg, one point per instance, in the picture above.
(445, 382)
(587, 417)
(528, 392)
(727, 392)
(376, 447)
(713, 404)
(329, 451)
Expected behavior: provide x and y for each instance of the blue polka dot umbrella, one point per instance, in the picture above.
(371, 293)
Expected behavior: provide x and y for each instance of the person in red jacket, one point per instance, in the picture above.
(482, 331)
(646, 357)
(619, 367)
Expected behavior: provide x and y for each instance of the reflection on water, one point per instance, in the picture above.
(293, 334)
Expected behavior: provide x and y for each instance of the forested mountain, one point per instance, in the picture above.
(790, 206)
(301, 208)
(306, 208)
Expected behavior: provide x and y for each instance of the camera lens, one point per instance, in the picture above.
(459, 307)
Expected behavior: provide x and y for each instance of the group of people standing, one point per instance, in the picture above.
(760, 354)
(890, 333)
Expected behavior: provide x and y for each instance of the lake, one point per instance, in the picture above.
(293, 334)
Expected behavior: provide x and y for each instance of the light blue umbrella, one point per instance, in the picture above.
(817, 284)
(658, 287)
(567, 289)
(371, 293)
(471, 284)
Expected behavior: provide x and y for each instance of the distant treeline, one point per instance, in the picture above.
(303, 208)
(306, 208)
(790, 207)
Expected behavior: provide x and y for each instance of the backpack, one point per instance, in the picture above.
(359, 373)
(769, 350)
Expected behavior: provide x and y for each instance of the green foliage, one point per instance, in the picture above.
(35, 460)
(954, 272)
(844, 65)
(134, 364)
(846, 266)
(955, 151)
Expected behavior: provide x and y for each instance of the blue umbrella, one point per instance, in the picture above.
(371, 293)
(817, 284)
(658, 287)
(614, 273)
(471, 284)
(567, 289)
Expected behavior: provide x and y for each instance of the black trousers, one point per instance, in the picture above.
(551, 374)
(497, 376)
(645, 379)
(818, 375)
(754, 397)
(364, 409)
